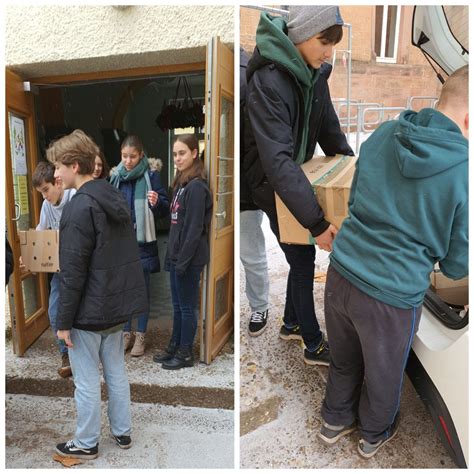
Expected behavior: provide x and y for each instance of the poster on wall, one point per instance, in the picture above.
(21, 196)
(18, 145)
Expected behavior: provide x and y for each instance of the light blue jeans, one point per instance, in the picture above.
(53, 311)
(88, 351)
(253, 256)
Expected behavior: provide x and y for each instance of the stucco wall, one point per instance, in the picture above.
(54, 40)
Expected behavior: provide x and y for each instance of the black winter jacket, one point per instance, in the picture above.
(246, 202)
(273, 124)
(191, 213)
(101, 277)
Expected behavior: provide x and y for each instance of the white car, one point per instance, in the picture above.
(438, 362)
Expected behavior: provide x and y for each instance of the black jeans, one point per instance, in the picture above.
(299, 306)
(370, 342)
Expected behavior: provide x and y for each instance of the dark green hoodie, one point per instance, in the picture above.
(273, 44)
(408, 209)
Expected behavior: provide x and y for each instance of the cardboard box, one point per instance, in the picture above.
(331, 178)
(40, 250)
(455, 292)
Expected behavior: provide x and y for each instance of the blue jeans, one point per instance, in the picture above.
(142, 321)
(88, 351)
(185, 297)
(53, 311)
(253, 256)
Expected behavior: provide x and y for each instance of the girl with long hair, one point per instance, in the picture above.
(188, 249)
(146, 199)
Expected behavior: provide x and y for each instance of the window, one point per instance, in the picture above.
(387, 23)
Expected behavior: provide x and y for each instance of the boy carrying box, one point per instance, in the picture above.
(55, 198)
(101, 286)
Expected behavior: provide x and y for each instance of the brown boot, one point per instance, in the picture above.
(138, 348)
(127, 340)
(65, 370)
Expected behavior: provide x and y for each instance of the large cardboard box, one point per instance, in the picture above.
(455, 292)
(331, 178)
(40, 250)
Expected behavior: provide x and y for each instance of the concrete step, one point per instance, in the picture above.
(163, 437)
(206, 386)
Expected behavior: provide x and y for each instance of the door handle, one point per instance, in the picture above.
(221, 214)
(17, 214)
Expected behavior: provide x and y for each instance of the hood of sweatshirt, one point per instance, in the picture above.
(427, 143)
(109, 199)
(273, 44)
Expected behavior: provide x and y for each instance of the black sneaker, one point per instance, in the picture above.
(318, 357)
(124, 441)
(331, 433)
(258, 322)
(70, 450)
(65, 370)
(367, 450)
(289, 334)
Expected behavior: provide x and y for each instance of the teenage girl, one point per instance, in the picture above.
(146, 199)
(188, 249)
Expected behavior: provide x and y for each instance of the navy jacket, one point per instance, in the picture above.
(273, 124)
(149, 250)
(191, 214)
(101, 282)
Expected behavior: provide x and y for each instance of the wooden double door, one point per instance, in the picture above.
(28, 293)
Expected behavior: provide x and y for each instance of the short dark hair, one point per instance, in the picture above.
(333, 34)
(77, 147)
(43, 173)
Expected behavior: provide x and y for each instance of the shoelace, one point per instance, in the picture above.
(70, 443)
(257, 317)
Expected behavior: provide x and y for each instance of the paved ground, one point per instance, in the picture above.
(281, 398)
(164, 437)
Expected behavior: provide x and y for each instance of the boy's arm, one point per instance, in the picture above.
(455, 264)
(76, 244)
(43, 223)
(271, 123)
(330, 138)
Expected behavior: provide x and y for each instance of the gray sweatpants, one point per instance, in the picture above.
(369, 343)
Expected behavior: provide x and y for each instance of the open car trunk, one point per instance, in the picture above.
(442, 38)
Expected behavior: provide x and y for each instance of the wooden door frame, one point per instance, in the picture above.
(215, 334)
(24, 108)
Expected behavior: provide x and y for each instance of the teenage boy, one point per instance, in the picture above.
(54, 200)
(101, 287)
(288, 111)
(408, 210)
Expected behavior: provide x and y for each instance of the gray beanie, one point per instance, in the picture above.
(308, 20)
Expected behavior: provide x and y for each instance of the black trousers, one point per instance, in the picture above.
(299, 304)
(369, 345)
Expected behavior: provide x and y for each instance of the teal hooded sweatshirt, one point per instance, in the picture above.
(408, 209)
(273, 44)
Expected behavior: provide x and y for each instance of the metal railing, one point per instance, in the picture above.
(433, 101)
